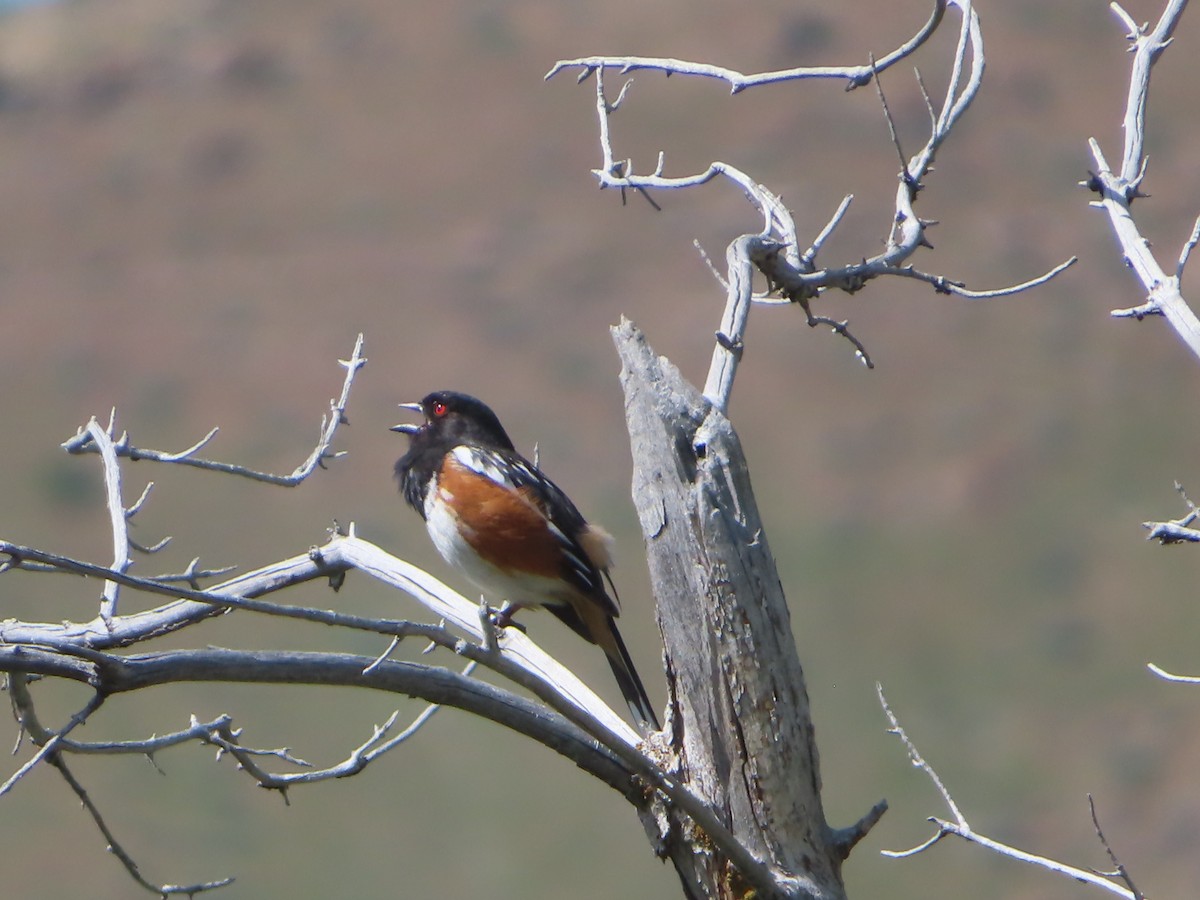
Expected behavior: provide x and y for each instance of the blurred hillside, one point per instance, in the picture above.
(207, 200)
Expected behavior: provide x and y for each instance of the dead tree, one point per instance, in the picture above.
(730, 791)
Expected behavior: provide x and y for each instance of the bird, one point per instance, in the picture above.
(511, 531)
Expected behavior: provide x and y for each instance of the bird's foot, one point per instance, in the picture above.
(503, 618)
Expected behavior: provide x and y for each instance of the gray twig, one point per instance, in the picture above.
(1117, 189)
(117, 850)
(1179, 530)
(855, 76)
(961, 828)
(1120, 869)
(118, 517)
(84, 443)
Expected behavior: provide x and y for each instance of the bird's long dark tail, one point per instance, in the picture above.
(604, 633)
(630, 684)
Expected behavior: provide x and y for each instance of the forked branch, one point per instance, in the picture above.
(1117, 187)
(793, 276)
(959, 827)
(335, 417)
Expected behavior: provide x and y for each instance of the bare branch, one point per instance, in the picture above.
(196, 731)
(712, 268)
(933, 116)
(1133, 30)
(908, 230)
(374, 747)
(134, 508)
(51, 746)
(855, 76)
(944, 286)
(221, 733)
(193, 573)
(728, 350)
(1148, 46)
(614, 174)
(1171, 533)
(917, 760)
(150, 548)
(846, 839)
(793, 284)
(795, 276)
(395, 642)
(26, 715)
(183, 455)
(1118, 190)
(1150, 308)
(520, 658)
(960, 827)
(83, 443)
(887, 114)
(841, 327)
(1177, 530)
(1188, 247)
(809, 256)
(517, 659)
(114, 846)
(1169, 676)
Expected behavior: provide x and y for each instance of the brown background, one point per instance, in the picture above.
(205, 201)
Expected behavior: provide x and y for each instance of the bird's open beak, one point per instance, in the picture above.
(405, 428)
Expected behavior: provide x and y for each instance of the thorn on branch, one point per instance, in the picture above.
(137, 505)
(190, 573)
(379, 660)
(616, 104)
(933, 116)
(153, 548)
(621, 170)
(809, 257)
(736, 347)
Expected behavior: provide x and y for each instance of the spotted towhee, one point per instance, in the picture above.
(493, 515)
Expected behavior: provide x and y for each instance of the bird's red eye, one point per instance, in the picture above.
(439, 408)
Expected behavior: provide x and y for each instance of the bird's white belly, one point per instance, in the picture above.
(496, 584)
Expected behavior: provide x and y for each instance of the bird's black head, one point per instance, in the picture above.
(452, 418)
